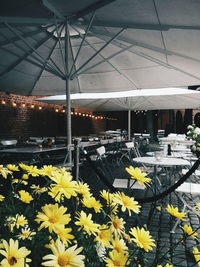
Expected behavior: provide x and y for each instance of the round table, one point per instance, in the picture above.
(174, 154)
(165, 162)
(168, 164)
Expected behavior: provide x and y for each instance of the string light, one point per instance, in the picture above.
(23, 105)
(14, 104)
(56, 110)
(3, 102)
(32, 106)
(40, 108)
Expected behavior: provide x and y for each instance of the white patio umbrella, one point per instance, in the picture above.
(51, 47)
(144, 99)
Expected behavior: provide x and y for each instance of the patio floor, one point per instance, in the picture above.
(170, 246)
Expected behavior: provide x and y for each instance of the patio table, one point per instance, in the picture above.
(168, 163)
(34, 152)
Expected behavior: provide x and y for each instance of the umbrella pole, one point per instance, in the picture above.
(129, 124)
(68, 101)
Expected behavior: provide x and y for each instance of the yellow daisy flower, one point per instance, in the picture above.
(4, 171)
(47, 170)
(116, 259)
(64, 234)
(127, 203)
(12, 167)
(24, 166)
(196, 254)
(19, 181)
(174, 212)
(119, 245)
(142, 238)
(33, 171)
(26, 233)
(107, 196)
(83, 189)
(188, 230)
(25, 196)
(64, 186)
(86, 223)
(11, 223)
(25, 176)
(2, 197)
(13, 255)
(17, 221)
(138, 175)
(116, 225)
(52, 217)
(91, 202)
(62, 257)
(20, 221)
(37, 189)
(104, 236)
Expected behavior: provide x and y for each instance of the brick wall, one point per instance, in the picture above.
(25, 121)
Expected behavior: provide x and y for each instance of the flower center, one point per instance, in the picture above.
(53, 219)
(116, 263)
(116, 225)
(125, 202)
(12, 260)
(63, 260)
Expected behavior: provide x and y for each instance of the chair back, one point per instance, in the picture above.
(8, 142)
(129, 145)
(101, 151)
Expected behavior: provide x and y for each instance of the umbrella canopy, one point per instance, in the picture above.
(98, 46)
(144, 99)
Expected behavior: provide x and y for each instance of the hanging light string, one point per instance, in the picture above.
(36, 106)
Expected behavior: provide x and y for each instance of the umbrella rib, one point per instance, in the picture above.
(50, 66)
(24, 57)
(100, 105)
(111, 64)
(28, 60)
(30, 46)
(144, 45)
(158, 61)
(161, 32)
(15, 39)
(58, 36)
(143, 26)
(91, 8)
(116, 100)
(146, 99)
(70, 44)
(82, 41)
(95, 54)
(43, 68)
(103, 60)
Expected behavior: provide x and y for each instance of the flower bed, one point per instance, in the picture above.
(48, 219)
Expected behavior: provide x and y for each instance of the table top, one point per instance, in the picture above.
(176, 140)
(166, 162)
(173, 155)
(33, 150)
(180, 148)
